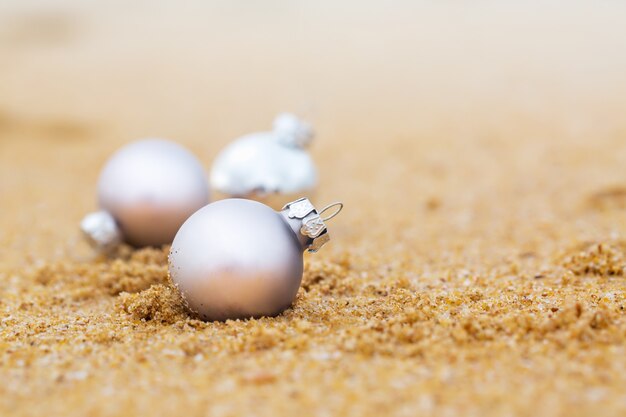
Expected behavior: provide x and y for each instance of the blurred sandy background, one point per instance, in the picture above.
(477, 146)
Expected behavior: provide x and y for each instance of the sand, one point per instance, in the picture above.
(479, 265)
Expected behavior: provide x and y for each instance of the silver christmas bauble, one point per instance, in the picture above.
(238, 258)
(270, 167)
(146, 191)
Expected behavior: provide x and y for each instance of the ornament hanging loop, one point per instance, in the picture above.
(339, 207)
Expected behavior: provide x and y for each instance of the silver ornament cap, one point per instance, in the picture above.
(238, 258)
(311, 227)
(101, 231)
(292, 131)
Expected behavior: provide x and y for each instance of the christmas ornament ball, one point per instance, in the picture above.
(150, 187)
(270, 167)
(236, 258)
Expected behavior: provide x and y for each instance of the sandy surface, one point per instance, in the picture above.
(478, 268)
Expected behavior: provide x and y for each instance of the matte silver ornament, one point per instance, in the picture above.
(271, 167)
(239, 258)
(146, 190)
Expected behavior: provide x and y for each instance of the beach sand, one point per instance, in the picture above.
(479, 265)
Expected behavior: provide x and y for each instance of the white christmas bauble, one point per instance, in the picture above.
(238, 258)
(149, 187)
(269, 165)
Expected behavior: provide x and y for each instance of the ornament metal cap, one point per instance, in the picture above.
(101, 230)
(313, 227)
(292, 131)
